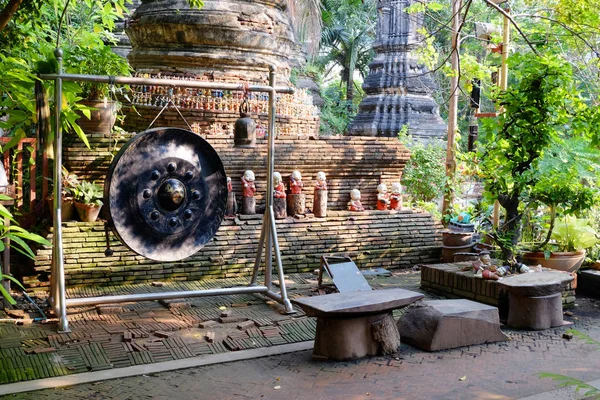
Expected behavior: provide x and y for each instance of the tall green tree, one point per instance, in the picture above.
(346, 39)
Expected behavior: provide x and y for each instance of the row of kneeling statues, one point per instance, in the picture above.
(293, 202)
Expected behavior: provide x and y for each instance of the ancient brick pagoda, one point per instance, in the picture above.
(224, 41)
(398, 89)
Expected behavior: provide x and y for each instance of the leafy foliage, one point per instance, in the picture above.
(18, 237)
(337, 113)
(543, 109)
(88, 193)
(348, 29)
(424, 174)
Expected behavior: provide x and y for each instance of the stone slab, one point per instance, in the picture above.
(446, 324)
(589, 282)
(356, 303)
(537, 283)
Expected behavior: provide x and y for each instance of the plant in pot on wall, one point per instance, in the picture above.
(566, 237)
(69, 182)
(566, 251)
(88, 201)
(99, 105)
(543, 111)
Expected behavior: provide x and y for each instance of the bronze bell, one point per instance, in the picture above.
(244, 132)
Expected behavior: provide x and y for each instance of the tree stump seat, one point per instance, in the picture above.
(535, 299)
(353, 325)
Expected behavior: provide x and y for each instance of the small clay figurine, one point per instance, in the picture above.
(279, 203)
(249, 189)
(383, 198)
(296, 184)
(279, 191)
(320, 196)
(354, 204)
(296, 201)
(321, 183)
(396, 197)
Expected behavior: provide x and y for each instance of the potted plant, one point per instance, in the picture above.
(69, 182)
(99, 105)
(571, 236)
(88, 201)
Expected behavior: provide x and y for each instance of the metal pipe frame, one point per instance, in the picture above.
(124, 80)
(268, 238)
(88, 301)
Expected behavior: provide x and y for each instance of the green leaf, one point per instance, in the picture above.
(7, 295)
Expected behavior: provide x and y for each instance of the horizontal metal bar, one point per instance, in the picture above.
(86, 301)
(129, 80)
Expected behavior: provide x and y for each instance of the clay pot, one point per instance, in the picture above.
(562, 261)
(449, 251)
(460, 257)
(87, 212)
(102, 117)
(67, 211)
(450, 238)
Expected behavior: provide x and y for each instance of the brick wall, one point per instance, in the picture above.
(349, 162)
(385, 239)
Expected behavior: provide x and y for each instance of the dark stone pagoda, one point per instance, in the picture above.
(398, 89)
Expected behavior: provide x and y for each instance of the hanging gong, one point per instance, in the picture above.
(166, 193)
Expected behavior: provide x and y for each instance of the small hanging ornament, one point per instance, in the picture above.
(244, 131)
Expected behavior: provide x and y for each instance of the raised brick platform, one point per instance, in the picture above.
(448, 280)
(388, 239)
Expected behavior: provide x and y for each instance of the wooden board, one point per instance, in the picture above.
(356, 303)
(347, 277)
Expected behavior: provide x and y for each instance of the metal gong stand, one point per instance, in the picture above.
(268, 237)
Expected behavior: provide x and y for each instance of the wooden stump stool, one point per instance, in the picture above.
(248, 206)
(535, 299)
(296, 204)
(320, 203)
(353, 325)
(279, 208)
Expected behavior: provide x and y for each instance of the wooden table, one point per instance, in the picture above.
(353, 325)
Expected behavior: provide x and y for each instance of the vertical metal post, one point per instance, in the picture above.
(58, 268)
(503, 87)
(270, 170)
(453, 107)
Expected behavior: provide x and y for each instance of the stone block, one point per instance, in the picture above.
(446, 324)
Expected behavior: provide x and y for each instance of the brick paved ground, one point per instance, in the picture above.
(495, 371)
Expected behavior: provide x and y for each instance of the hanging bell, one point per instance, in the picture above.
(244, 131)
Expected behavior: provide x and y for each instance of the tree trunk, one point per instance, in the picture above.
(7, 13)
(512, 225)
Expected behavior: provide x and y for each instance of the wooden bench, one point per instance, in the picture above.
(352, 325)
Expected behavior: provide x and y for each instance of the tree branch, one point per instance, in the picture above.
(512, 21)
(7, 13)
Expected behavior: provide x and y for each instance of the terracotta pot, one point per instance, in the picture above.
(450, 238)
(595, 265)
(449, 251)
(102, 117)
(460, 257)
(67, 211)
(563, 261)
(87, 212)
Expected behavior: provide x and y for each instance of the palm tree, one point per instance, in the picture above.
(348, 31)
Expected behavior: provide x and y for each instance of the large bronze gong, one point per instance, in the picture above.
(166, 193)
